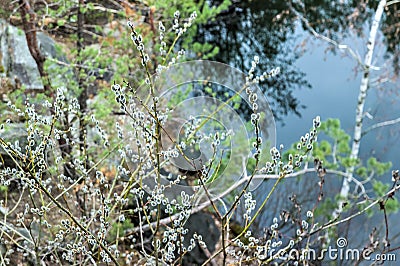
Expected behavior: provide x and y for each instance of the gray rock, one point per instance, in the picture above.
(16, 135)
(203, 224)
(16, 62)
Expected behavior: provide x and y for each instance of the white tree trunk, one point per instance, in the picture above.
(344, 192)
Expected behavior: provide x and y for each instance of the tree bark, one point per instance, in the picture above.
(364, 86)
(28, 17)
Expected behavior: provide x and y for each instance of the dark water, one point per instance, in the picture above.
(318, 79)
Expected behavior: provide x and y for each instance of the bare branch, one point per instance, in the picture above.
(381, 124)
(392, 2)
(29, 25)
(344, 47)
(335, 222)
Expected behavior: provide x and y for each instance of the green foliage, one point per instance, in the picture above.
(178, 97)
(373, 167)
(325, 208)
(205, 13)
(5, 10)
(3, 189)
(380, 168)
(390, 204)
(380, 188)
(334, 150)
(338, 149)
(119, 228)
(205, 51)
(60, 22)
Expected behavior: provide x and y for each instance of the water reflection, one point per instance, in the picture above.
(249, 29)
(267, 29)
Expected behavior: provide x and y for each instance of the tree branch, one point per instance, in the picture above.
(344, 192)
(28, 17)
(381, 124)
(340, 46)
(335, 222)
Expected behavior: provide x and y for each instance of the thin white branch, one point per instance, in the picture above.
(344, 192)
(333, 223)
(340, 46)
(360, 185)
(392, 2)
(334, 149)
(381, 124)
(105, 9)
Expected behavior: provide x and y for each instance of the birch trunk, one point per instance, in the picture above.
(344, 192)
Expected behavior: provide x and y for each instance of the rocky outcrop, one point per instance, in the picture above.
(16, 63)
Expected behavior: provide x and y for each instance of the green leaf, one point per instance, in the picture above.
(61, 22)
(362, 172)
(380, 188)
